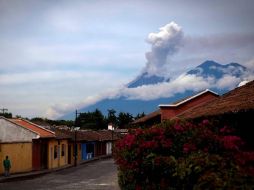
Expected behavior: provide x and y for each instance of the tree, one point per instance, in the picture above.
(140, 115)
(45, 121)
(91, 120)
(7, 115)
(112, 116)
(124, 119)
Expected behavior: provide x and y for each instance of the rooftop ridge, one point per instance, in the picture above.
(188, 99)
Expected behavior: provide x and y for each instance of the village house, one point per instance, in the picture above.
(31, 147)
(88, 143)
(234, 109)
(169, 111)
(236, 100)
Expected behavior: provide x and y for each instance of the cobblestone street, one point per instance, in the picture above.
(91, 176)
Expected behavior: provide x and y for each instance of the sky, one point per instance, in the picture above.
(63, 54)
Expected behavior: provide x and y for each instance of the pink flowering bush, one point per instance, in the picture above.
(182, 155)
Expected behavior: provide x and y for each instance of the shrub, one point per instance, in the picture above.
(181, 155)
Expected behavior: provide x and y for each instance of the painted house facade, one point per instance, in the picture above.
(31, 147)
(16, 142)
(96, 143)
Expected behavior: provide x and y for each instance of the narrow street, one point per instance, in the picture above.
(91, 176)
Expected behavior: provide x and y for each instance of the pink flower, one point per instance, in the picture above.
(129, 140)
(205, 121)
(149, 144)
(167, 143)
(226, 129)
(178, 128)
(188, 147)
(232, 142)
(139, 132)
(156, 131)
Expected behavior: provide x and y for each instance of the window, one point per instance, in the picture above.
(55, 151)
(63, 150)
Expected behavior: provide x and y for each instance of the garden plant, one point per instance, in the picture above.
(182, 155)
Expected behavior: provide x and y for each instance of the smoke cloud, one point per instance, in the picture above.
(164, 43)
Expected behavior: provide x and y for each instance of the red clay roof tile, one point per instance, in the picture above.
(43, 133)
(241, 98)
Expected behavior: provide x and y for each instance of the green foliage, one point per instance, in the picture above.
(112, 116)
(91, 120)
(183, 155)
(241, 121)
(45, 121)
(96, 120)
(6, 115)
(124, 119)
(138, 116)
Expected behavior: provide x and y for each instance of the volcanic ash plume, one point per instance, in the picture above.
(164, 43)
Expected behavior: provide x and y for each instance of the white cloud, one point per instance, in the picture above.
(249, 64)
(167, 89)
(58, 110)
(37, 77)
(227, 82)
(162, 90)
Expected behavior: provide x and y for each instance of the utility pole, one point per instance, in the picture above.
(75, 138)
(3, 110)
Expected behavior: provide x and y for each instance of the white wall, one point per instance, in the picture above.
(109, 148)
(10, 132)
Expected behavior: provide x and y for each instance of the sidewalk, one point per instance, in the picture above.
(33, 174)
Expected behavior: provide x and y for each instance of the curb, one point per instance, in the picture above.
(31, 175)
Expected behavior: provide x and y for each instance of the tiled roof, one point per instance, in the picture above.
(43, 133)
(62, 134)
(101, 135)
(180, 102)
(106, 135)
(87, 135)
(147, 117)
(241, 98)
(175, 104)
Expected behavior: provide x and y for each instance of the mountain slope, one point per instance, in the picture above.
(146, 79)
(216, 70)
(206, 70)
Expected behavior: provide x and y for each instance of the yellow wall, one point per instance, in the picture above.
(59, 160)
(20, 155)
